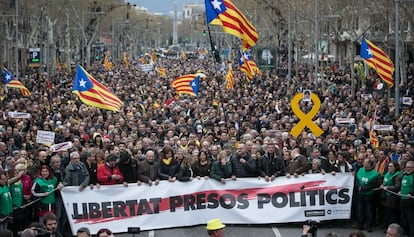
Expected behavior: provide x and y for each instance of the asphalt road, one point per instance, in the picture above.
(285, 230)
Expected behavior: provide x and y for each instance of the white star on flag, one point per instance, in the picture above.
(216, 4)
(369, 52)
(193, 84)
(82, 83)
(8, 77)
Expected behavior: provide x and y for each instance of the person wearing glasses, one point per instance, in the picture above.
(407, 198)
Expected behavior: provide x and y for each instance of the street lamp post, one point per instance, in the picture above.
(84, 36)
(17, 39)
(16, 28)
(397, 56)
(316, 40)
(289, 44)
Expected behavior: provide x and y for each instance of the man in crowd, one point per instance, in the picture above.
(243, 165)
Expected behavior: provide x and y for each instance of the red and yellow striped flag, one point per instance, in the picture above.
(372, 136)
(12, 82)
(378, 60)
(230, 78)
(234, 22)
(161, 71)
(107, 63)
(125, 60)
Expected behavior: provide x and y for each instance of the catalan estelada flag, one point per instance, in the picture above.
(245, 66)
(187, 84)
(161, 71)
(125, 60)
(93, 93)
(372, 136)
(230, 78)
(226, 14)
(378, 60)
(153, 56)
(107, 63)
(12, 82)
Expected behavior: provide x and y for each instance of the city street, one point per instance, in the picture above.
(282, 230)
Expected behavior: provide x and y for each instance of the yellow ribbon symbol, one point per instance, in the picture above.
(306, 119)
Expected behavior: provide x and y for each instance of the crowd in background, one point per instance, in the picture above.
(222, 134)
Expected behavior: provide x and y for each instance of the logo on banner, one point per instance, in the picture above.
(306, 120)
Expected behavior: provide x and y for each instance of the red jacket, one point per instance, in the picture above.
(104, 175)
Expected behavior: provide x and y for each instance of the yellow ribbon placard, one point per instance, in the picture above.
(305, 119)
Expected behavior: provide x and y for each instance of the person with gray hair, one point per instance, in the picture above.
(76, 173)
(58, 172)
(394, 230)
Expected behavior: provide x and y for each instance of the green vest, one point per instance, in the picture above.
(6, 206)
(47, 185)
(16, 190)
(389, 180)
(407, 185)
(366, 178)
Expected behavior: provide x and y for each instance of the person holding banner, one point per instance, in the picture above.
(76, 173)
(243, 165)
(271, 164)
(44, 187)
(109, 173)
(186, 172)
(390, 201)
(407, 198)
(221, 168)
(6, 204)
(299, 164)
(148, 169)
(367, 181)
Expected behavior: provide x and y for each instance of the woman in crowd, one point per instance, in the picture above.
(390, 201)
(186, 172)
(202, 167)
(221, 168)
(44, 187)
(16, 191)
(169, 166)
(6, 203)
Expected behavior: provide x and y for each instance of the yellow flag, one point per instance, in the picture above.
(125, 60)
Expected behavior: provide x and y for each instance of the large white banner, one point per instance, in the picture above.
(244, 201)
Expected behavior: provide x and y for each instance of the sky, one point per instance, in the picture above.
(163, 6)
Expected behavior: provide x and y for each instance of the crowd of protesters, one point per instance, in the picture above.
(222, 134)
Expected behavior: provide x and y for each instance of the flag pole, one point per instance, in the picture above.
(213, 50)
